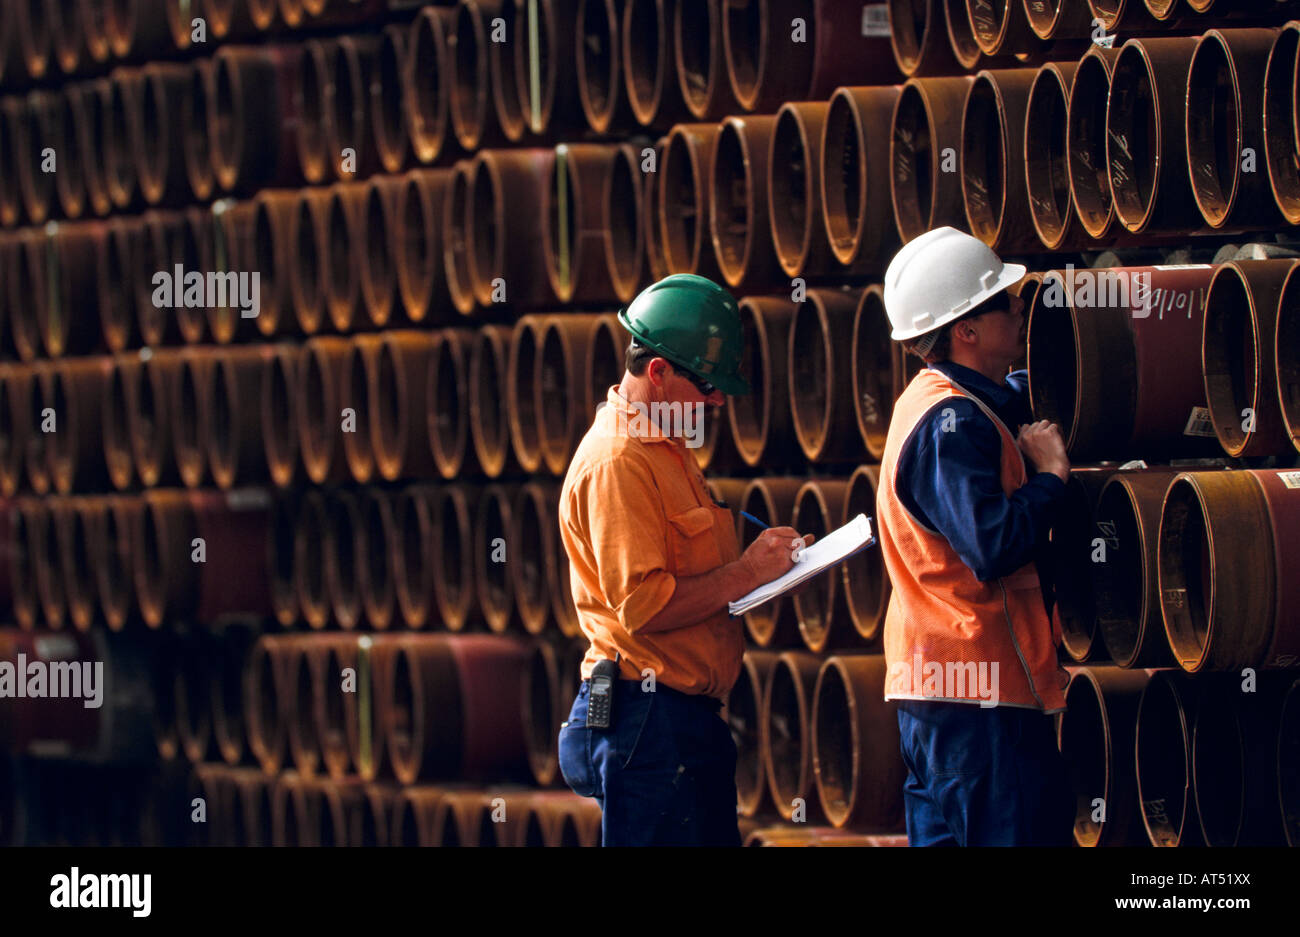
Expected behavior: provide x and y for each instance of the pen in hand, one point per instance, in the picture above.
(797, 543)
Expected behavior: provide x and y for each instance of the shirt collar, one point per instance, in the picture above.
(999, 395)
(638, 422)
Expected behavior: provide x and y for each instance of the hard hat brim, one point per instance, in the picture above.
(1010, 276)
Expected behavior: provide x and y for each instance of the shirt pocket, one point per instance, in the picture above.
(692, 542)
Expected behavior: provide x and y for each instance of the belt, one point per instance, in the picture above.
(711, 703)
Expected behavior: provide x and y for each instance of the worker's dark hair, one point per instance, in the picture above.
(942, 347)
(638, 356)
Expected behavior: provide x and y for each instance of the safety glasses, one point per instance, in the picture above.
(703, 386)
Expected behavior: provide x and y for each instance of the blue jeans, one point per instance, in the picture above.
(664, 772)
(983, 777)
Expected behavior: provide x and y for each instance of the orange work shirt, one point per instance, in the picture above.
(634, 515)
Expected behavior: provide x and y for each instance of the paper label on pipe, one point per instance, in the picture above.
(1199, 423)
(875, 20)
(1290, 479)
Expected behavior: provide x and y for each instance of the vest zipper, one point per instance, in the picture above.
(1016, 643)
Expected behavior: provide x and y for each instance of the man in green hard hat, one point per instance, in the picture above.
(653, 562)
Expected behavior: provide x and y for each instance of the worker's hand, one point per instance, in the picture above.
(772, 553)
(800, 589)
(1042, 445)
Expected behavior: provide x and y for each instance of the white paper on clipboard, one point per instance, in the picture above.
(834, 548)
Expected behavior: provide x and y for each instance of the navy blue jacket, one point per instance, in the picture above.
(951, 480)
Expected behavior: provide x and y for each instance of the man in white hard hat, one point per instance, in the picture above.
(964, 506)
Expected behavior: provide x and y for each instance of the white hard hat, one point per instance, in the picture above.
(940, 276)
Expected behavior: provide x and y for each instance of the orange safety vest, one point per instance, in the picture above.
(949, 636)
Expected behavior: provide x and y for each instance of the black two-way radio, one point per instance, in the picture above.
(600, 704)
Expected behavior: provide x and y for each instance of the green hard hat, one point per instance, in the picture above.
(694, 323)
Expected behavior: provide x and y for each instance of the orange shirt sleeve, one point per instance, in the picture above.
(614, 518)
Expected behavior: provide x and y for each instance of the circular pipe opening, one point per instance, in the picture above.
(912, 176)
(961, 34)
(1086, 752)
(305, 702)
(810, 365)
(813, 606)
(788, 187)
(1280, 136)
(751, 414)
(835, 743)
(412, 248)
(309, 561)
(412, 560)
(681, 209)
(1132, 115)
(453, 572)
(428, 96)
(491, 433)
(732, 196)
(469, 85)
(598, 63)
(378, 522)
(844, 176)
(340, 273)
(1120, 582)
(745, 45)
(1162, 759)
(378, 250)
(386, 94)
(307, 266)
(448, 414)
(645, 56)
(341, 541)
(1047, 173)
(333, 733)
(984, 160)
(1214, 142)
(787, 746)
(1231, 356)
(1186, 570)
(495, 589)
(526, 421)
(626, 230)
(401, 743)
(487, 245)
(606, 360)
(865, 583)
(348, 111)
(1086, 145)
(1053, 358)
(557, 403)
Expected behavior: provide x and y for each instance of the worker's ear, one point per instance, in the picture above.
(965, 332)
(657, 371)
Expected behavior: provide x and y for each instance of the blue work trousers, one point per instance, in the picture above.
(664, 772)
(983, 776)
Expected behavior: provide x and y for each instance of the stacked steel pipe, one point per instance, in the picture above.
(314, 516)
